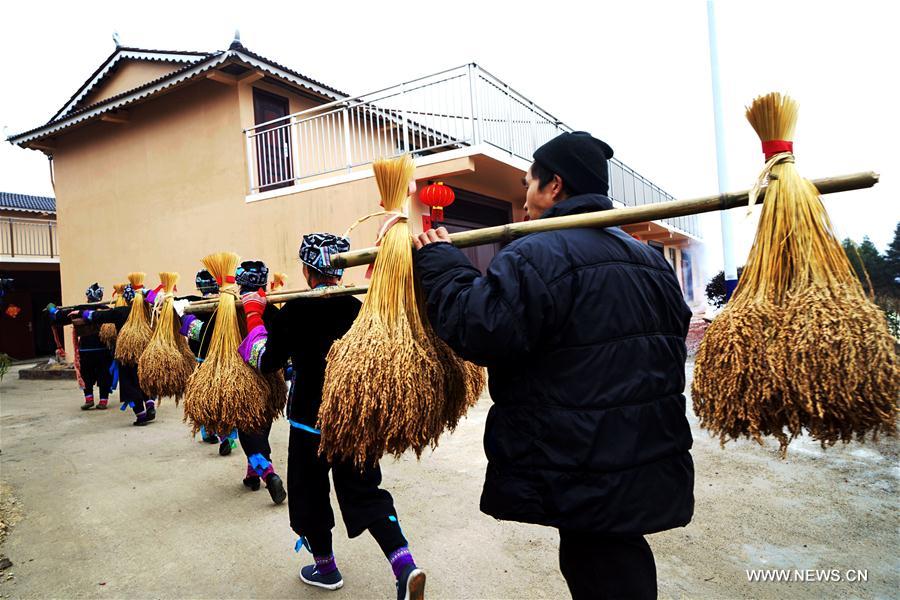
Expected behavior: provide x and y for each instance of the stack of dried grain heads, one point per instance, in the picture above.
(136, 333)
(224, 392)
(800, 346)
(108, 331)
(390, 384)
(167, 363)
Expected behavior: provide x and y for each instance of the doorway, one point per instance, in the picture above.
(274, 164)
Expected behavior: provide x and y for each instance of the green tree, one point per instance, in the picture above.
(880, 274)
(870, 266)
(892, 256)
(715, 289)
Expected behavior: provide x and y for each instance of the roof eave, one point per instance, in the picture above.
(236, 55)
(28, 210)
(36, 134)
(113, 59)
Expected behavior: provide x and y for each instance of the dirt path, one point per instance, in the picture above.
(114, 511)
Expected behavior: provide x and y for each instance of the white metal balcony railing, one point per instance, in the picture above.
(461, 107)
(28, 238)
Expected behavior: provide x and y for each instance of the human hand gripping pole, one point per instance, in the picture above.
(253, 346)
(431, 236)
(254, 306)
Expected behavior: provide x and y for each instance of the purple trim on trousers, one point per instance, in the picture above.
(325, 564)
(400, 559)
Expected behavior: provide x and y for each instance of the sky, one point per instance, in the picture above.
(635, 74)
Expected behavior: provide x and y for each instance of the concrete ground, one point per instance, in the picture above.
(100, 509)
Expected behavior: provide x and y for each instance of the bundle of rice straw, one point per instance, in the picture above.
(800, 345)
(385, 384)
(166, 364)
(108, 331)
(224, 392)
(278, 387)
(136, 333)
(278, 391)
(464, 383)
(278, 281)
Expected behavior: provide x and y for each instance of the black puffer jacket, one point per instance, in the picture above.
(583, 334)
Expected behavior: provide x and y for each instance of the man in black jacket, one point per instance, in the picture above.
(582, 331)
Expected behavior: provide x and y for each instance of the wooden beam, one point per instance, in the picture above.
(663, 235)
(642, 228)
(43, 145)
(220, 77)
(119, 117)
(251, 77)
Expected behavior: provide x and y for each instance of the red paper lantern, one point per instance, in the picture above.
(437, 196)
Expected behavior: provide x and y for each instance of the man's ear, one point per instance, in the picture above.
(558, 187)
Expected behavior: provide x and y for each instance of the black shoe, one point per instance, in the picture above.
(411, 585)
(311, 576)
(276, 488)
(142, 420)
(87, 405)
(252, 483)
(211, 439)
(225, 447)
(151, 412)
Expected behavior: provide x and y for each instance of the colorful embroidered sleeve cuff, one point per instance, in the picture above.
(195, 330)
(150, 297)
(186, 324)
(254, 346)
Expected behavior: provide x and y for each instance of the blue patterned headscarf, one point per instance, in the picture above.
(252, 275)
(94, 293)
(317, 249)
(128, 293)
(206, 283)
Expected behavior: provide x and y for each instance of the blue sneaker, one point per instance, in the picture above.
(331, 581)
(411, 585)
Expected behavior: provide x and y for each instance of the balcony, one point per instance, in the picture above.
(28, 240)
(461, 108)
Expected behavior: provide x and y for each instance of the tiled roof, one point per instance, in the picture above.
(236, 53)
(24, 202)
(109, 65)
(250, 53)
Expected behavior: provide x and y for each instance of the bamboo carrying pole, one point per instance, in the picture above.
(605, 218)
(512, 231)
(204, 306)
(612, 218)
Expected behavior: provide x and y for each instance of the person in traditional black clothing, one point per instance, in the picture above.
(250, 275)
(93, 356)
(131, 393)
(303, 331)
(198, 342)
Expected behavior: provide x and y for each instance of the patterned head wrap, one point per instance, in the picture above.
(252, 275)
(317, 249)
(128, 293)
(206, 283)
(94, 293)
